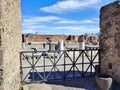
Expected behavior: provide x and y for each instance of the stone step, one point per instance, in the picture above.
(42, 86)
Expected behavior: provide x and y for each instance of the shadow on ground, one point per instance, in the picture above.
(83, 83)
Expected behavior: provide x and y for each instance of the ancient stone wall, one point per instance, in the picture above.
(42, 38)
(110, 40)
(10, 26)
(1, 59)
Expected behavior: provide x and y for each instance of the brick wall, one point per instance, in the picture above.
(110, 40)
(10, 25)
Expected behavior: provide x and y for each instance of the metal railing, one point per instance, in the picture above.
(42, 66)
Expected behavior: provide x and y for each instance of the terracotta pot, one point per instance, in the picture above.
(104, 82)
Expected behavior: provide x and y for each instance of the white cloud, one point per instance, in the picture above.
(86, 21)
(67, 22)
(34, 24)
(69, 5)
(28, 31)
(61, 25)
(65, 30)
(79, 29)
(35, 27)
(39, 19)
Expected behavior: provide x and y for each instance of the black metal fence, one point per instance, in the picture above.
(42, 66)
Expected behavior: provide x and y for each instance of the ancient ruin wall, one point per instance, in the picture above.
(1, 59)
(110, 40)
(10, 26)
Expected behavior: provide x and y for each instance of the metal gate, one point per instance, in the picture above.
(42, 66)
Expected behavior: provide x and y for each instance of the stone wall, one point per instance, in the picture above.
(1, 59)
(1, 72)
(110, 40)
(10, 26)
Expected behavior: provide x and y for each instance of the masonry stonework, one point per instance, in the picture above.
(10, 29)
(109, 40)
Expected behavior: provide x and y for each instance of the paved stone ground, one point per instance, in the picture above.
(84, 83)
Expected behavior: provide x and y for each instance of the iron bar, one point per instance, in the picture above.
(32, 66)
(44, 68)
(82, 62)
(54, 67)
(74, 63)
(64, 65)
(91, 62)
(21, 71)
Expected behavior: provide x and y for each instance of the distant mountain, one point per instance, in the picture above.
(98, 34)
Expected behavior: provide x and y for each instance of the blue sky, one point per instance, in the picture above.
(70, 17)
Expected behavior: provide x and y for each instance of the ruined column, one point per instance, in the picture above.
(61, 45)
(110, 40)
(82, 42)
(10, 33)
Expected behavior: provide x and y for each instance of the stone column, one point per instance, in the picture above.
(110, 40)
(81, 41)
(10, 28)
(82, 45)
(61, 45)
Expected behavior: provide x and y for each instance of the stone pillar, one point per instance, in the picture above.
(81, 41)
(10, 28)
(61, 45)
(110, 40)
(82, 45)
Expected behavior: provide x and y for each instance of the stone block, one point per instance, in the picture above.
(42, 86)
(104, 82)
